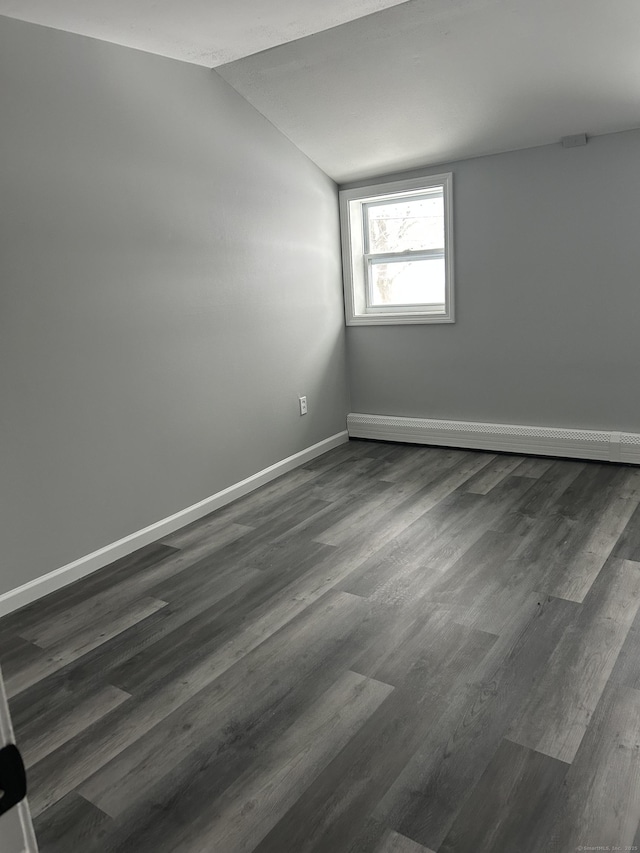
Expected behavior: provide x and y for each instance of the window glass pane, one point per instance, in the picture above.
(407, 282)
(412, 224)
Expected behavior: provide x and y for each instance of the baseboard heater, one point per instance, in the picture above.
(512, 438)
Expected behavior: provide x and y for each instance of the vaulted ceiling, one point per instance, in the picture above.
(205, 32)
(367, 87)
(436, 80)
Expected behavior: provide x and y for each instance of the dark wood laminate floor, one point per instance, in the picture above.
(393, 649)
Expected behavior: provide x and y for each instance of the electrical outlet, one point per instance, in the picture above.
(303, 405)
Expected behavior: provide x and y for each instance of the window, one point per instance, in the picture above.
(397, 247)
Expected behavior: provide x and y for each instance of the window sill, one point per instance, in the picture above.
(397, 319)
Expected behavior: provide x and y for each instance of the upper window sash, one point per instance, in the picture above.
(437, 192)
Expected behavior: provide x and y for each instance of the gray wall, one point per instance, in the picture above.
(169, 284)
(547, 244)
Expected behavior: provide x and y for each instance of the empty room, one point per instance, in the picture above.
(320, 426)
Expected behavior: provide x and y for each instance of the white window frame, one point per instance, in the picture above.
(355, 259)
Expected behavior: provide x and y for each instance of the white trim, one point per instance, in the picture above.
(547, 441)
(353, 252)
(28, 592)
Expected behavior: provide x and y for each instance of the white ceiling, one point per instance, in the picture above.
(436, 80)
(400, 84)
(206, 32)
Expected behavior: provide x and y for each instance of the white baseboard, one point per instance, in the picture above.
(28, 592)
(545, 441)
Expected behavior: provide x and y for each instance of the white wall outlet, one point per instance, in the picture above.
(303, 405)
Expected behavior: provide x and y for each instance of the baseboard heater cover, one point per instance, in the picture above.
(43, 585)
(514, 438)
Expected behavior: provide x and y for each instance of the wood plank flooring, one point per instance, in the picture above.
(393, 649)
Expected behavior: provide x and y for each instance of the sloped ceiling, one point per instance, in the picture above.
(205, 32)
(369, 87)
(436, 80)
